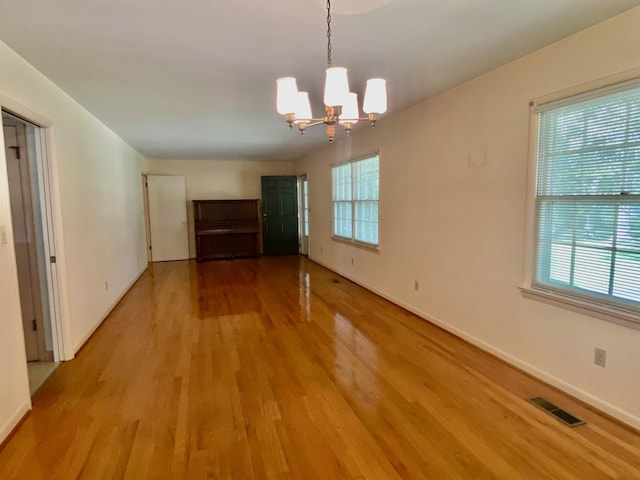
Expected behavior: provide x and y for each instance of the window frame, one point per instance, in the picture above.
(305, 206)
(353, 201)
(575, 301)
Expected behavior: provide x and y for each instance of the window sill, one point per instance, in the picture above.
(354, 243)
(602, 312)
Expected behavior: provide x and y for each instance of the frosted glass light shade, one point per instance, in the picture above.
(287, 95)
(350, 111)
(375, 96)
(303, 108)
(336, 87)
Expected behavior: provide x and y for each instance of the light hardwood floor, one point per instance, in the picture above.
(270, 369)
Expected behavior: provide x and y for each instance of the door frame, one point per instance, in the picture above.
(48, 180)
(25, 168)
(147, 219)
(303, 240)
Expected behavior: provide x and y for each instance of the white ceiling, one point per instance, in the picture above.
(196, 79)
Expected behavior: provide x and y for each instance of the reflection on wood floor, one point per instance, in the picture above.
(268, 368)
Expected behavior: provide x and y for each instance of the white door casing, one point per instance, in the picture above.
(168, 218)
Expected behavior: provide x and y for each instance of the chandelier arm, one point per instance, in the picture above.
(314, 121)
(357, 119)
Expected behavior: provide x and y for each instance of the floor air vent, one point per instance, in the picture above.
(558, 413)
(335, 280)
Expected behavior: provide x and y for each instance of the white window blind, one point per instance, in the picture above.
(587, 213)
(365, 195)
(356, 187)
(342, 208)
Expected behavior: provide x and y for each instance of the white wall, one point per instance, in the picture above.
(452, 216)
(218, 180)
(101, 239)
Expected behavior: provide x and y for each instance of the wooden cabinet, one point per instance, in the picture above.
(226, 228)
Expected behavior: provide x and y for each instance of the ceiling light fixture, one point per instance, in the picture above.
(341, 106)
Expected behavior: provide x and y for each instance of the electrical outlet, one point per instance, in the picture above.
(416, 286)
(106, 286)
(352, 261)
(600, 357)
(321, 249)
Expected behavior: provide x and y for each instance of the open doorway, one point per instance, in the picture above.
(31, 238)
(303, 206)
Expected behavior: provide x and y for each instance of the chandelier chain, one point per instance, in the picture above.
(328, 33)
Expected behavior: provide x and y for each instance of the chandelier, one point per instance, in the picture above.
(341, 105)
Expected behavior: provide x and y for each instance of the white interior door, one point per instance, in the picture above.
(22, 237)
(168, 218)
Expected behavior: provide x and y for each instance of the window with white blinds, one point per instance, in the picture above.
(356, 187)
(587, 206)
(342, 208)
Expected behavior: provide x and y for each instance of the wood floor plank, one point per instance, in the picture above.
(276, 368)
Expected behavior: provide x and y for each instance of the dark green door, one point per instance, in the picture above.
(280, 215)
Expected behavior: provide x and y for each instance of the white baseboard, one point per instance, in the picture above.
(600, 404)
(81, 343)
(14, 420)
